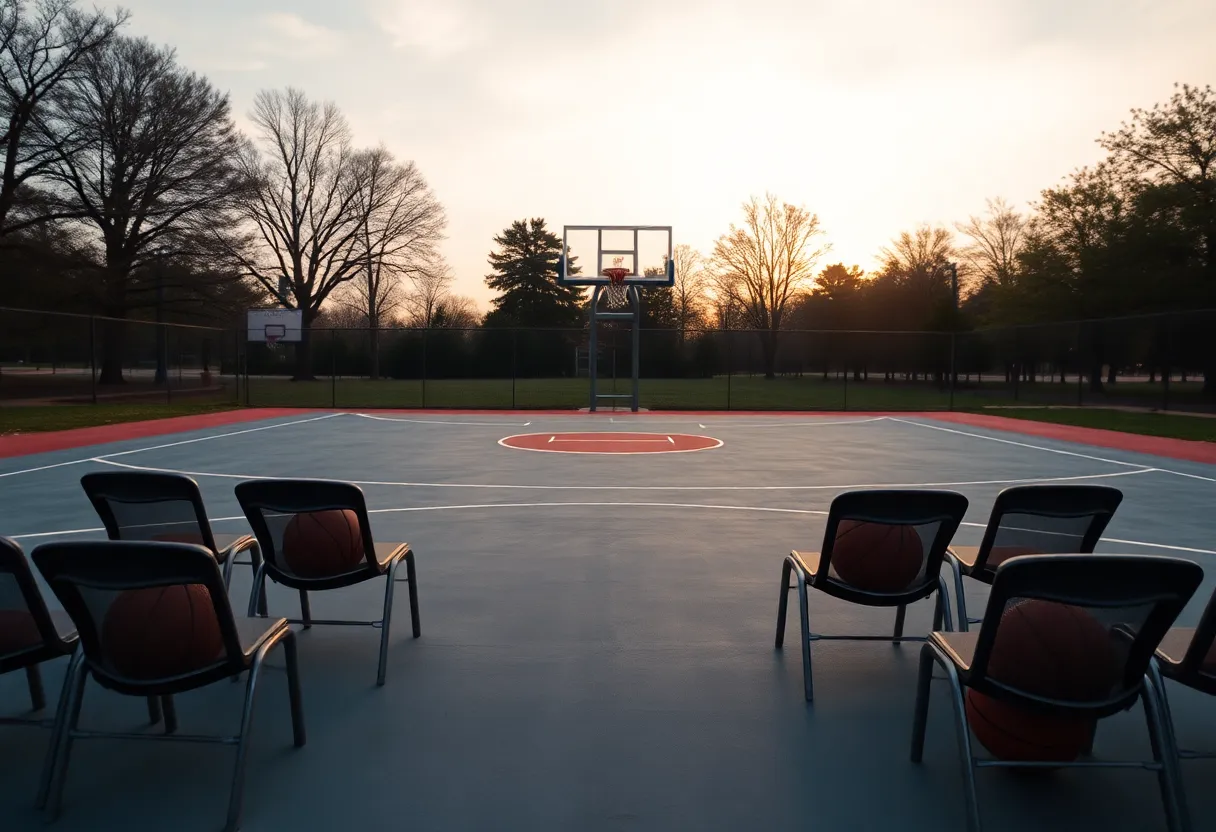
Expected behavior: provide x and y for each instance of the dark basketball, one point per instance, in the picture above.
(1057, 651)
(877, 557)
(18, 631)
(1011, 732)
(319, 544)
(160, 632)
(1054, 650)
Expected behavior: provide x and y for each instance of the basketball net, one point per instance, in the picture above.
(618, 292)
(273, 334)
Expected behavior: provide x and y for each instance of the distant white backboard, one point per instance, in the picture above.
(280, 325)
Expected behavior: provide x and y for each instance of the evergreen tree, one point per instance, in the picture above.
(525, 275)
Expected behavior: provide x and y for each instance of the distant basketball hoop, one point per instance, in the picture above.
(274, 333)
(617, 293)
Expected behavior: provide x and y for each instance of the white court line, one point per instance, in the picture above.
(1050, 450)
(168, 445)
(438, 422)
(1019, 444)
(508, 486)
(598, 504)
(796, 422)
(567, 439)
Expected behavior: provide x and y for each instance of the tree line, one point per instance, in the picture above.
(128, 191)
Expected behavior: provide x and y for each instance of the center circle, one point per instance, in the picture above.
(617, 442)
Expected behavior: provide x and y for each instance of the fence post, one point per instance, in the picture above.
(728, 366)
(953, 351)
(425, 333)
(93, 358)
(1080, 365)
(1167, 367)
(845, 393)
(333, 368)
(514, 346)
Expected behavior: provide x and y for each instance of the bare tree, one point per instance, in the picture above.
(304, 211)
(401, 224)
(762, 265)
(688, 293)
(996, 241)
(456, 312)
(917, 252)
(429, 287)
(42, 45)
(155, 175)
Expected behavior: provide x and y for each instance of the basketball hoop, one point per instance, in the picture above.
(618, 293)
(274, 332)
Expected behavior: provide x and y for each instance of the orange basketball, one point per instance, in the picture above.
(1011, 732)
(159, 632)
(18, 631)
(877, 557)
(319, 544)
(1054, 650)
(1048, 649)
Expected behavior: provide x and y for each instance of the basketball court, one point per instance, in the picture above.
(598, 595)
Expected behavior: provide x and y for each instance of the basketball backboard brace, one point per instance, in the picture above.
(590, 254)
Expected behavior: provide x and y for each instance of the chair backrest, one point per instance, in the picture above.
(1046, 520)
(1200, 658)
(926, 519)
(147, 505)
(271, 505)
(1076, 632)
(147, 613)
(25, 622)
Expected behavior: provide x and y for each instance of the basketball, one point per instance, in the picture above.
(161, 632)
(1010, 732)
(1054, 650)
(877, 557)
(1048, 649)
(18, 631)
(320, 544)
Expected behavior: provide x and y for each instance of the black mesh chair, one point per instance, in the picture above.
(30, 634)
(271, 506)
(1033, 520)
(139, 505)
(932, 516)
(1187, 656)
(92, 580)
(1128, 601)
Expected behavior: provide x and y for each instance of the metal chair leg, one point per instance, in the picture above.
(293, 690)
(920, 717)
(960, 599)
(33, 680)
(63, 751)
(57, 733)
(900, 612)
(411, 575)
(255, 562)
(154, 714)
(386, 622)
(305, 609)
(236, 796)
(804, 614)
(170, 714)
(257, 595)
(783, 603)
(1169, 776)
(227, 570)
(943, 595)
(964, 746)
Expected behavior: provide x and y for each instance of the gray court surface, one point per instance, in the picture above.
(597, 648)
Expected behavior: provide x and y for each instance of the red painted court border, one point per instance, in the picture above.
(612, 443)
(22, 444)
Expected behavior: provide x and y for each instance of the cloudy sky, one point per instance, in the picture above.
(875, 114)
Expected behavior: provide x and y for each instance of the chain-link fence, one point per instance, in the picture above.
(1153, 362)
(57, 358)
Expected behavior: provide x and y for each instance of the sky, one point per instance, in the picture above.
(876, 115)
